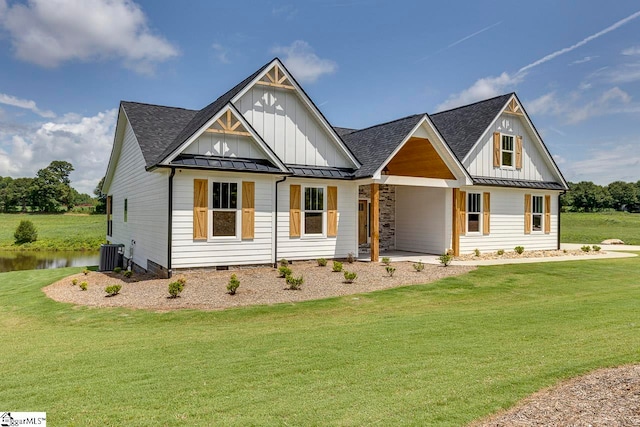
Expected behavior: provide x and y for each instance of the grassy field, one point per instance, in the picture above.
(439, 354)
(595, 227)
(70, 232)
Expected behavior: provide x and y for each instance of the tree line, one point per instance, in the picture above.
(585, 196)
(49, 191)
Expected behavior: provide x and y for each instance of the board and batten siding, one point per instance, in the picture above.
(285, 123)
(187, 252)
(147, 195)
(345, 242)
(423, 219)
(225, 145)
(507, 222)
(479, 162)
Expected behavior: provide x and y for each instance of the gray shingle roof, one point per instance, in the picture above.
(155, 125)
(518, 183)
(343, 131)
(372, 146)
(462, 127)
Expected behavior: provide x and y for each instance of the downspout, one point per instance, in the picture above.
(170, 222)
(275, 243)
(559, 212)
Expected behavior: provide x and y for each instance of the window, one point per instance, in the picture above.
(536, 213)
(125, 210)
(473, 213)
(506, 152)
(224, 209)
(313, 210)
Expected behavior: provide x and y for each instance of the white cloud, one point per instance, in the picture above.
(305, 65)
(615, 163)
(484, 88)
(631, 51)
(85, 142)
(50, 32)
(607, 103)
(287, 11)
(583, 60)
(26, 104)
(546, 104)
(221, 53)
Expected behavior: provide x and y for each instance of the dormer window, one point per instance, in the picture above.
(506, 152)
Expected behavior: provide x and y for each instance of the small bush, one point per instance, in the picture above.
(128, 274)
(322, 262)
(26, 232)
(476, 251)
(349, 277)
(175, 288)
(113, 290)
(586, 248)
(596, 248)
(117, 270)
(84, 286)
(337, 266)
(390, 270)
(284, 262)
(74, 282)
(233, 285)
(85, 271)
(564, 251)
(284, 271)
(500, 252)
(386, 260)
(351, 257)
(418, 266)
(294, 282)
(445, 259)
(519, 249)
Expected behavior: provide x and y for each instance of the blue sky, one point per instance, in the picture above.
(66, 64)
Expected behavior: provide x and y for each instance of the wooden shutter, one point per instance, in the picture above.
(200, 208)
(527, 214)
(248, 209)
(519, 152)
(462, 212)
(332, 211)
(547, 214)
(486, 209)
(496, 149)
(294, 211)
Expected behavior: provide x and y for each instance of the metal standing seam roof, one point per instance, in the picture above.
(518, 183)
(225, 163)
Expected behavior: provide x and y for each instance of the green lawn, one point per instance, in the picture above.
(439, 354)
(69, 232)
(594, 227)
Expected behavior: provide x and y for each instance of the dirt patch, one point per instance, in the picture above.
(206, 290)
(606, 397)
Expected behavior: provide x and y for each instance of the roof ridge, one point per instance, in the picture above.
(157, 105)
(386, 123)
(473, 103)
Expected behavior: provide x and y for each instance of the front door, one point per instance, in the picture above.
(363, 222)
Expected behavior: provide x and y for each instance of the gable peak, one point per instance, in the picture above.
(514, 107)
(276, 77)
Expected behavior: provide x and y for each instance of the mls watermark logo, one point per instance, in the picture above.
(10, 419)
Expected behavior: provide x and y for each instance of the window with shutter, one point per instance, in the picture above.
(224, 209)
(200, 207)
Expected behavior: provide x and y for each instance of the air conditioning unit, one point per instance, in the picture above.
(111, 256)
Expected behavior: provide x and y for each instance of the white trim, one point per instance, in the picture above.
(257, 138)
(309, 104)
(450, 160)
(303, 211)
(541, 231)
(479, 213)
(419, 182)
(512, 151)
(238, 210)
(118, 140)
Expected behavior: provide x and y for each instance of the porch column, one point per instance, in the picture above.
(455, 224)
(375, 222)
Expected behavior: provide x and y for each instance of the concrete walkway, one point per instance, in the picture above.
(611, 251)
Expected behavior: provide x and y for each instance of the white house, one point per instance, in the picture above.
(260, 175)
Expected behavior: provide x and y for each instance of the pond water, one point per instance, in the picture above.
(35, 260)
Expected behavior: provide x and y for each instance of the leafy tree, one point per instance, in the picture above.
(624, 195)
(52, 189)
(26, 232)
(101, 207)
(589, 197)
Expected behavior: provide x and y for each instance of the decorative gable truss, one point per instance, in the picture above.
(275, 77)
(513, 107)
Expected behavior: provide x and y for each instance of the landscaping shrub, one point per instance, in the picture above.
(445, 259)
(337, 266)
(113, 290)
(322, 262)
(586, 248)
(500, 252)
(294, 282)
(26, 232)
(519, 249)
(418, 266)
(349, 277)
(386, 260)
(596, 248)
(284, 271)
(390, 270)
(175, 288)
(117, 270)
(351, 257)
(476, 251)
(74, 282)
(128, 274)
(233, 285)
(284, 262)
(85, 271)
(84, 286)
